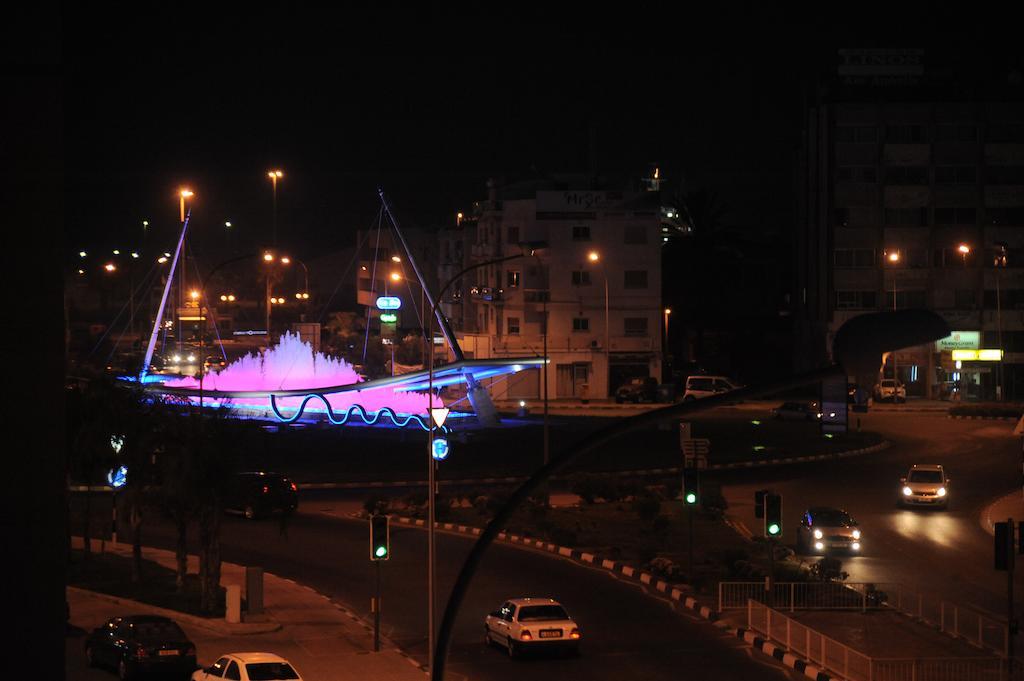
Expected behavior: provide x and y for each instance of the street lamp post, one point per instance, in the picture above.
(664, 347)
(894, 258)
(183, 194)
(1000, 261)
(431, 463)
(274, 176)
(594, 256)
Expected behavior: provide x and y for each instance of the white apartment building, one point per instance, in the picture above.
(595, 271)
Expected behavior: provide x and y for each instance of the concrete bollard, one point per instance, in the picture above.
(233, 611)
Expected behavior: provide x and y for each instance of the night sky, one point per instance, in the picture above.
(428, 104)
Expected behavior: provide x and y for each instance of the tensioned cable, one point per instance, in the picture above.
(355, 257)
(373, 283)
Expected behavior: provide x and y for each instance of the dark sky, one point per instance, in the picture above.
(427, 104)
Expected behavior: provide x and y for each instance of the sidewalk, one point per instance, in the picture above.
(324, 641)
(1009, 506)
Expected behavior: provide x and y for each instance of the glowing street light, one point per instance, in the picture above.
(184, 194)
(395, 276)
(268, 257)
(593, 256)
(274, 176)
(82, 254)
(193, 294)
(110, 267)
(964, 251)
(162, 259)
(395, 258)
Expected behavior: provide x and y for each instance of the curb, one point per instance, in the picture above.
(984, 418)
(640, 472)
(780, 654)
(218, 625)
(985, 517)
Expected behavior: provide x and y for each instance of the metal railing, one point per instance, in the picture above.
(967, 623)
(849, 663)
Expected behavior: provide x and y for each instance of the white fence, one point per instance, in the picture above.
(975, 627)
(842, 660)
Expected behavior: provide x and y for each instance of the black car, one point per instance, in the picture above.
(641, 389)
(260, 493)
(142, 646)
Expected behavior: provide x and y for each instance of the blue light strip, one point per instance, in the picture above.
(399, 420)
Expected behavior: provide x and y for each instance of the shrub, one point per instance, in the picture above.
(496, 500)
(647, 508)
(562, 536)
(828, 569)
(376, 503)
(480, 504)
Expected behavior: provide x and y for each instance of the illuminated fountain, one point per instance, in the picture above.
(291, 366)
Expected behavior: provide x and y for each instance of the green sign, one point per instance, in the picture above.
(959, 340)
(387, 317)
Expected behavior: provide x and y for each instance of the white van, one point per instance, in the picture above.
(706, 386)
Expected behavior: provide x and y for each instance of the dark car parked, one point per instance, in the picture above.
(640, 389)
(141, 646)
(260, 493)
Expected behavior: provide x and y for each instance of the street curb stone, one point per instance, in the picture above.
(639, 472)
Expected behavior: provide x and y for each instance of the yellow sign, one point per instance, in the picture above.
(978, 355)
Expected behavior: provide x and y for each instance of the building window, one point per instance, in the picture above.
(956, 133)
(904, 134)
(1005, 215)
(952, 257)
(856, 174)
(1004, 175)
(963, 299)
(856, 133)
(955, 215)
(854, 257)
(855, 216)
(634, 234)
(635, 326)
(915, 258)
(581, 324)
(1005, 132)
(907, 300)
(581, 233)
(512, 278)
(955, 175)
(535, 296)
(856, 300)
(906, 175)
(581, 278)
(635, 279)
(907, 217)
(512, 324)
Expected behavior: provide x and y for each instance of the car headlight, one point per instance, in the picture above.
(818, 534)
(856, 534)
(819, 546)
(191, 358)
(941, 492)
(855, 546)
(907, 491)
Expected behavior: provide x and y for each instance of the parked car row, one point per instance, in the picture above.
(144, 646)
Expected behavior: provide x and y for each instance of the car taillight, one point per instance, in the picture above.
(266, 489)
(294, 488)
(141, 653)
(575, 633)
(525, 635)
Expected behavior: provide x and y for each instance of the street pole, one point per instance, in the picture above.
(544, 369)
(430, 491)
(607, 347)
(1011, 623)
(999, 332)
(376, 613)
(895, 372)
(266, 300)
(113, 517)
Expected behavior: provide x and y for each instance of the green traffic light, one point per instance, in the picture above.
(381, 551)
(773, 529)
(691, 498)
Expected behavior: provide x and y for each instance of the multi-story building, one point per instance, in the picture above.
(383, 270)
(590, 261)
(912, 196)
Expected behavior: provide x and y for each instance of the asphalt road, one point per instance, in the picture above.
(945, 553)
(627, 634)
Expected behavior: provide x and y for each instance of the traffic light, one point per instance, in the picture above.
(380, 539)
(759, 503)
(691, 487)
(1004, 546)
(772, 515)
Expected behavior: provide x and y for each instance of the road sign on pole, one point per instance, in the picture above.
(685, 433)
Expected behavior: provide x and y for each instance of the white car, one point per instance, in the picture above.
(892, 390)
(531, 624)
(248, 667)
(706, 386)
(925, 485)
